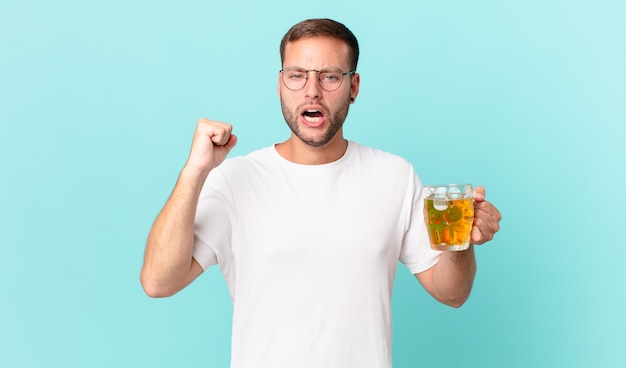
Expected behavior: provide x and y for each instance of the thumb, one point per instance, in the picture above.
(479, 194)
(232, 141)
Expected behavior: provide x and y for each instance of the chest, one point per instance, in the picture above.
(311, 220)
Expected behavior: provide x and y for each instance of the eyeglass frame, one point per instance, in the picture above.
(319, 73)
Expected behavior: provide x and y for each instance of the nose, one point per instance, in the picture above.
(312, 87)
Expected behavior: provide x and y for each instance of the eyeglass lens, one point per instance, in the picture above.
(329, 79)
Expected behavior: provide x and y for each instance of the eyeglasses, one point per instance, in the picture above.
(330, 79)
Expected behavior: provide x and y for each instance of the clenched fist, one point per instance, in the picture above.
(212, 141)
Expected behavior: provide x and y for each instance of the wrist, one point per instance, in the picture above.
(192, 176)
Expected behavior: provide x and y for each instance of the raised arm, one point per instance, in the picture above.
(450, 280)
(168, 262)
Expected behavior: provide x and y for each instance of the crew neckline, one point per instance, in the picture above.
(304, 167)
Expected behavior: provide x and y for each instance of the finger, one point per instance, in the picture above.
(486, 224)
(221, 133)
(488, 208)
(477, 236)
(490, 217)
(232, 141)
(217, 131)
(482, 231)
(479, 194)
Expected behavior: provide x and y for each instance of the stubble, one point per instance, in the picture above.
(335, 118)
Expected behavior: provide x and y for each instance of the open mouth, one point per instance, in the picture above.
(312, 116)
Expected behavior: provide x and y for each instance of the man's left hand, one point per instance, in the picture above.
(486, 218)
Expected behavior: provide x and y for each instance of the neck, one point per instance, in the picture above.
(298, 152)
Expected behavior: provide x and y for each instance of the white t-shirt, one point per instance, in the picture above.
(309, 253)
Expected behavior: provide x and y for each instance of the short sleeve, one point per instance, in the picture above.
(416, 253)
(214, 223)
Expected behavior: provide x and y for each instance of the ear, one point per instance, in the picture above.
(354, 87)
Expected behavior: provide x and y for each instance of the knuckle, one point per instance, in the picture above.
(202, 121)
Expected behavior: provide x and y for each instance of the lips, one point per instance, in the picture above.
(313, 116)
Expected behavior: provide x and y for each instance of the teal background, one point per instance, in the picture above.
(98, 103)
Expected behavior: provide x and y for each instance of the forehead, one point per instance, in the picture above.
(315, 52)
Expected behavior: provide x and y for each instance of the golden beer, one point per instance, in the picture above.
(449, 215)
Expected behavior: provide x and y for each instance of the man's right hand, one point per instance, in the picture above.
(212, 141)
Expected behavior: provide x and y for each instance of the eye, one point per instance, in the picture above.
(330, 77)
(295, 74)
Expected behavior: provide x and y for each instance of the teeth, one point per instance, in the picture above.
(311, 119)
(313, 116)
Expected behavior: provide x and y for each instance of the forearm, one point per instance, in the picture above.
(453, 277)
(169, 247)
(168, 262)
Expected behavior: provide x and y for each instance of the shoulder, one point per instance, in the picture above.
(379, 159)
(256, 165)
(239, 172)
(256, 158)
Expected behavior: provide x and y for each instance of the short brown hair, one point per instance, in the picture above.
(322, 27)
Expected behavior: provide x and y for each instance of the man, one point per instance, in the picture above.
(308, 232)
